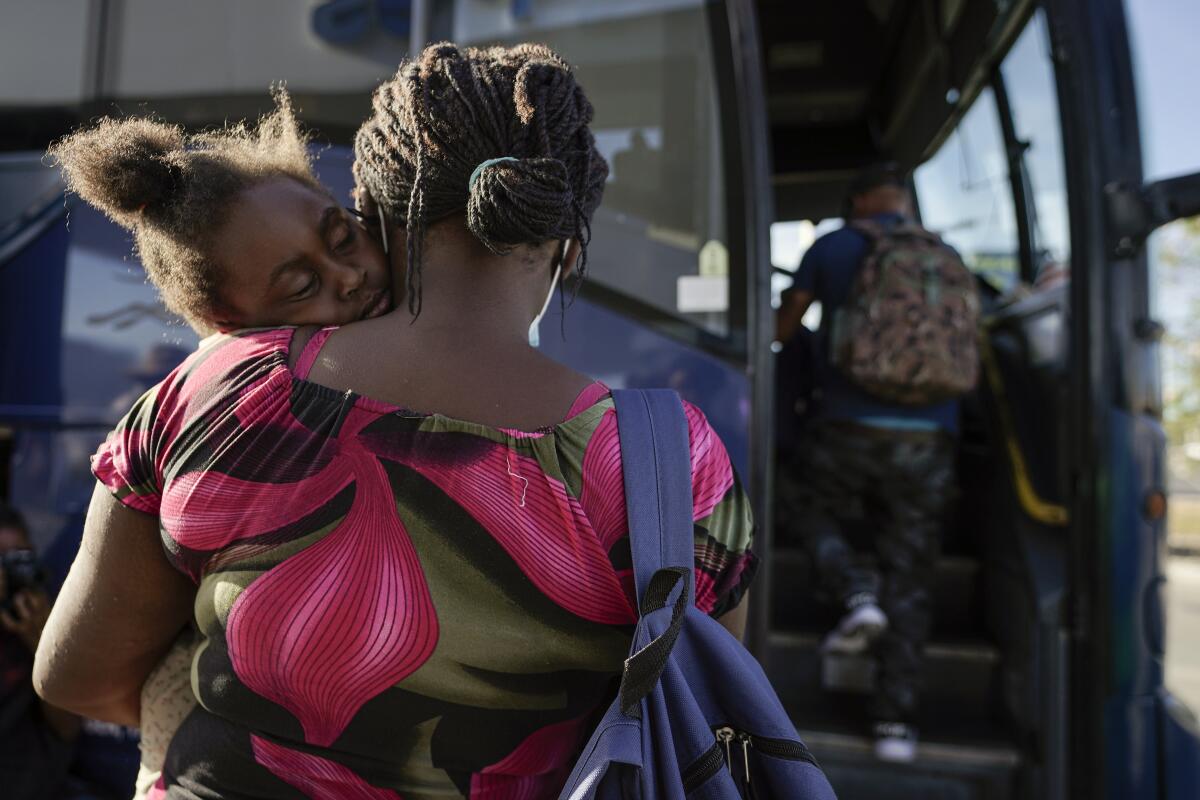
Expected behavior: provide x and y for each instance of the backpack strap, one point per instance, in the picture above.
(657, 466)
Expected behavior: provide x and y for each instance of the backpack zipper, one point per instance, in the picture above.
(744, 738)
(786, 749)
(783, 748)
(703, 768)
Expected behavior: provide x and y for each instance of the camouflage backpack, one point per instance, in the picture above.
(907, 332)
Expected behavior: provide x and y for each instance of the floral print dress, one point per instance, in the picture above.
(393, 604)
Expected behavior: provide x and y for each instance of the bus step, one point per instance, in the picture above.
(963, 674)
(943, 769)
(957, 605)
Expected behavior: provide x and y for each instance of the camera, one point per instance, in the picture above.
(21, 571)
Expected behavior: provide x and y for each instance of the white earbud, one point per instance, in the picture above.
(534, 336)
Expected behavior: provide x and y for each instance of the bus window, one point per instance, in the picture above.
(965, 195)
(1028, 75)
(660, 237)
(1165, 58)
(1162, 34)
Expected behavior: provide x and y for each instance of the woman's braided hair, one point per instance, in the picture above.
(173, 190)
(451, 110)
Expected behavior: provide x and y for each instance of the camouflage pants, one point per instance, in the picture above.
(898, 486)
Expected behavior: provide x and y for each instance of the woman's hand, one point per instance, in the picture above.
(121, 607)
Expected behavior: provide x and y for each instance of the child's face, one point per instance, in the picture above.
(292, 256)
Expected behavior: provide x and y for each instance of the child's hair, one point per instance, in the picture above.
(502, 133)
(173, 190)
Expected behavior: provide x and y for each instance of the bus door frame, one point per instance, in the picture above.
(1113, 393)
(743, 102)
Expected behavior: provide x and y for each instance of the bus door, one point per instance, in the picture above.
(989, 178)
(996, 190)
(1129, 737)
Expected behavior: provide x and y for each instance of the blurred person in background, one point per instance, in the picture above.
(36, 738)
(869, 450)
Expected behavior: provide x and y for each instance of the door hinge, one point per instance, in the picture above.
(1134, 212)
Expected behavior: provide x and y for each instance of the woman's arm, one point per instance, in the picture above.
(119, 611)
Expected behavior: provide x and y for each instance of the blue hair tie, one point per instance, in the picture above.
(483, 165)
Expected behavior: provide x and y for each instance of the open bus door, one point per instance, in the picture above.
(1045, 661)
(1130, 737)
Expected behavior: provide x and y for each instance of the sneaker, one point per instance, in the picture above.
(895, 742)
(856, 631)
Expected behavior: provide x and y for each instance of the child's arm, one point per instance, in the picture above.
(166, 700)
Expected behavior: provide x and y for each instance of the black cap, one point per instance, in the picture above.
(884, 174)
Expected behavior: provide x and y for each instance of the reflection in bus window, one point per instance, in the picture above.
(1166, 61)
(1029, 79)
(660, 235)
(965, 195)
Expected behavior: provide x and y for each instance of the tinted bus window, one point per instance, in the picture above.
(965, 195)
(1029, 79)
(1166, 59)
(648, 68)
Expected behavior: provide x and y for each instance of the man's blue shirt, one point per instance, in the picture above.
(828, 271)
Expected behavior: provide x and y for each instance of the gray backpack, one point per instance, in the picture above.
(907, 332)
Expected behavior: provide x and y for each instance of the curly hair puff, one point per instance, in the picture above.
(172, 190)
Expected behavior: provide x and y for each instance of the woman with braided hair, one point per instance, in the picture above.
(406, 536)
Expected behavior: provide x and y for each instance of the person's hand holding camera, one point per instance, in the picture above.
(25, 613)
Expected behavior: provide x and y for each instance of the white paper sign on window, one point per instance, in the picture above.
(702, 293)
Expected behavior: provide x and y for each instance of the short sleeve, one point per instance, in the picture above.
(723, 522)
(807, 276)
(174, 423)
(125, 463)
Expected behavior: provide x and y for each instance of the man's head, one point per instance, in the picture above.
(14, 533)
(878, 189)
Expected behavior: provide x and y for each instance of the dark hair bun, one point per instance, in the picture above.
(123, 167)
(519, 201)
(545, 96)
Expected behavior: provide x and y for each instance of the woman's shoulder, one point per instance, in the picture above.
(246, 343)
(232, 350)
(222, 365)
(596, 411)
